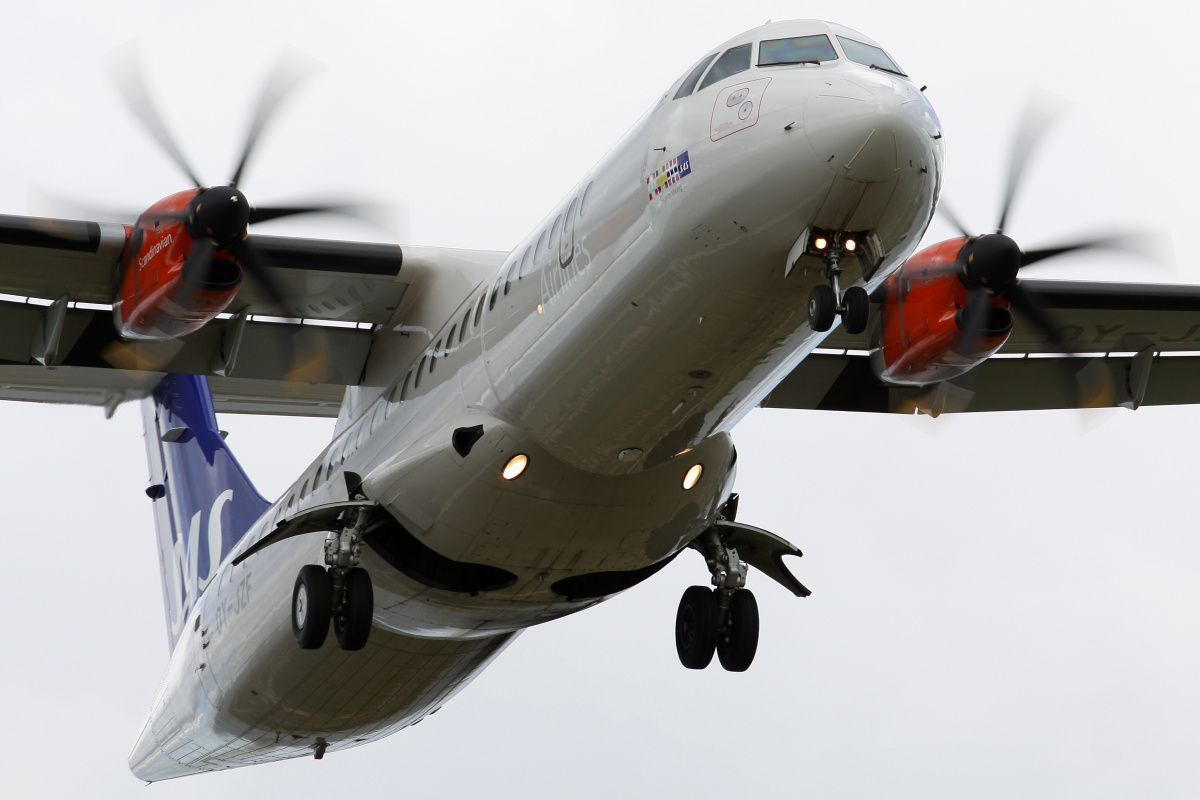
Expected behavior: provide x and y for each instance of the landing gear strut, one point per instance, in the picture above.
(340, 593)
(723, 619)
(826, 302)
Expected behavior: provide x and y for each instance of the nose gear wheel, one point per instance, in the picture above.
(827, 302)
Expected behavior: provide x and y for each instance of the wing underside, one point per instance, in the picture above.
(1146, 336)
(58, 341)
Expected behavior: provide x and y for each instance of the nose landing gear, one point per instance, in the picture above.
(340, 594)
(826, 302)
(723, 619)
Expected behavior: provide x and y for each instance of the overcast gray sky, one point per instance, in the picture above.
(1003, 605)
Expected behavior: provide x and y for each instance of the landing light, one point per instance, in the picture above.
(851, 244)
(693, 476)
(515, 466)
(820, 243)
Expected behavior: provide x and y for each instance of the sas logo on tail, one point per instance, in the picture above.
(187, 583)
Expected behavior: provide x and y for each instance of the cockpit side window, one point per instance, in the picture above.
(689, 82)
(733, 61)
(870, 55)
(798, 50)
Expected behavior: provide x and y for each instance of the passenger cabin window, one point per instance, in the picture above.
(735, 60)
(495, 292)
(564, 253)
(479, 310)
(526, 262)
(404, 388)
(870, 55)
(420, 369)
(511, 276)
(586, 194)
(541, 245)
(552, 245)
(437, 348)
(450, 338)
(304, 490)
(685, 88)
(317, 480)
(462, 330)
(797, 50)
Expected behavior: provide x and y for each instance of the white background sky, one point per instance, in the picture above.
(1004, 605)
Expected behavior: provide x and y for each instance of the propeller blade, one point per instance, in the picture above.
(125, 69)
(199, 261)
(1142, 244)
(265, 213)
(1037, 312)
(46, 203)
(974, 316)
(290, 70)
(389, 217)
(196, 269)
(944, 209)
(1091, 382)
(255, 267)
(1040, 111)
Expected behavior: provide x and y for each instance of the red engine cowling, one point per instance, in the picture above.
(918, 336)
(159, 297)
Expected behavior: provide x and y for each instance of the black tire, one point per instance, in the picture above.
(353, 625)
(312, 607)
(696, 627)
(738, 642)
(858, 310)
(822, 308)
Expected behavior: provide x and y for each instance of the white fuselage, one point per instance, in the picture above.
(616, 353)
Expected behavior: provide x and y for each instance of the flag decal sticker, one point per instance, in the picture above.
(668, 174)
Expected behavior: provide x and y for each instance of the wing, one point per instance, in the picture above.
(339, 293)
(1147, 337)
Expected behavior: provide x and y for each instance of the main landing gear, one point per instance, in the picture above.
(826, 302)
(339, 593)
(723, 619)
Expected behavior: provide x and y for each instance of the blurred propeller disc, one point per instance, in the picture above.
(988, 265)
(291, 69)
(124, 66)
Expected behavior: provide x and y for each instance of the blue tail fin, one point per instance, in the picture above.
(203, 501)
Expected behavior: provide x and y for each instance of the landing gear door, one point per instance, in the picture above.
(566, 243)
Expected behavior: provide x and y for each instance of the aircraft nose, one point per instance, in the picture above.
(870, 130)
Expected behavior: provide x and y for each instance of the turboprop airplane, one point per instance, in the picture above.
(521, 435)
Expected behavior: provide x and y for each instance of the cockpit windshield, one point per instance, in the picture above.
(870, 55)
(689, 82)
(797, 50)
(733, 61)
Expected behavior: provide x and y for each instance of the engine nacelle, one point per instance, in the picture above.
(917, 333)
(160, 295)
